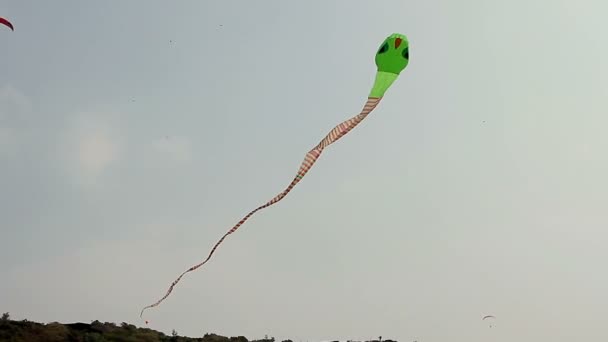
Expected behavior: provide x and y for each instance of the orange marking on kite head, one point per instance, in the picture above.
(398, 42)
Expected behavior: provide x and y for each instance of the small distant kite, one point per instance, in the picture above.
(7, 23)
(488, 316)
(391, 58)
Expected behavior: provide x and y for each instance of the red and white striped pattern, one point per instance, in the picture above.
(335, 134)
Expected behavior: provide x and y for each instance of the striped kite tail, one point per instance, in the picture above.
(309, 160)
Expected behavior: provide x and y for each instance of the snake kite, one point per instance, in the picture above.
(391, 58)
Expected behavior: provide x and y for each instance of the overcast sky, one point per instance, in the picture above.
(133, 134)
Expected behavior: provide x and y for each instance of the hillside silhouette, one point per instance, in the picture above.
(96, 331)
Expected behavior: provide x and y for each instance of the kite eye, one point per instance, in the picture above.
(405, 53)
(383, 48)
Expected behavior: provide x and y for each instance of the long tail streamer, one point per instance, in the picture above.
(311, 157)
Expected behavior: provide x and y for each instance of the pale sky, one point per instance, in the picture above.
(133, 134)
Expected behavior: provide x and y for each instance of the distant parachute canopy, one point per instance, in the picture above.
(490, 317)
(7, 23)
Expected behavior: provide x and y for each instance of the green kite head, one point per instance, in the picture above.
(392, 57)
(393, 54)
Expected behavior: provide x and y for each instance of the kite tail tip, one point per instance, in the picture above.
(141, 314)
